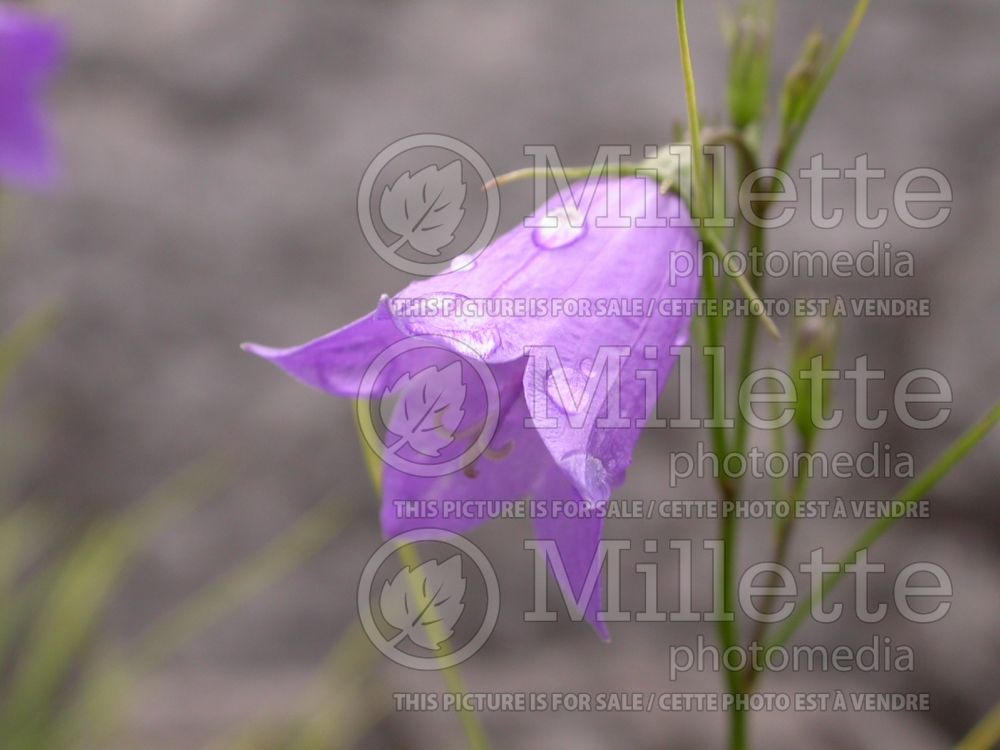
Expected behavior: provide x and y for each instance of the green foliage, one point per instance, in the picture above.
(57, 610)
(749, 40)
(63, 686)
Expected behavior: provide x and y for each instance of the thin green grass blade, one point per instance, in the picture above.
(82, 584)
(18, 343)
(346, 708)
(103, 698)
(912, 493)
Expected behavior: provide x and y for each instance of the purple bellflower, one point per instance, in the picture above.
(540, 308)
(31, 47)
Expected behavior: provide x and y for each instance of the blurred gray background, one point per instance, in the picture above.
(212, 152)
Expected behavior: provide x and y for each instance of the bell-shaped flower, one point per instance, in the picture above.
(526, 373)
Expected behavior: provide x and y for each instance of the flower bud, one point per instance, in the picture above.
(799, 84)
(749, 67)
(813, 353)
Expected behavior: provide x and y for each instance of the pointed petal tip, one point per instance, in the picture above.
(258, 350)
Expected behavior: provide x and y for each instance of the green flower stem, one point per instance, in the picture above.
(911, 494)
(749, 343)
(570, 173)
(698, 169)
(782, 541)
(712, 290)
(756, 305)
(474, 732)
(985, 735)
(748, 348)
(475, 735)
(778, 445)
(713, 340)
(694, 122)
(757, 251)
(728, 630)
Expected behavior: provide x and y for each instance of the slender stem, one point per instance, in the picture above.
(569, 173)
(782, 541)
(757, 308)
(713, 327)
(475, 735)
(911, 494)
(698, 169)
(747, 350)
(738, 727)
(749, 344)
(782, 159)
(694, 122)
(728, 629)
(713, 340)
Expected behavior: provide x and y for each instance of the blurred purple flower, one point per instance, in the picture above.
(31, 47)
(527, 456)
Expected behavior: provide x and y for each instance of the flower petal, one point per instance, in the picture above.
(591, 388)
(514, 461)
(336, 363)
(522, 289)
(31, 47)
(577, 537)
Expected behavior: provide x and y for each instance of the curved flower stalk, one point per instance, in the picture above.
(31, 47)
(567, 415)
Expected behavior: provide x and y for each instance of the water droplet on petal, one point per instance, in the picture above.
(452, 316)
(591, 471)
(463, 262)
(569, 226)
(566, 389)
(482, 341)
